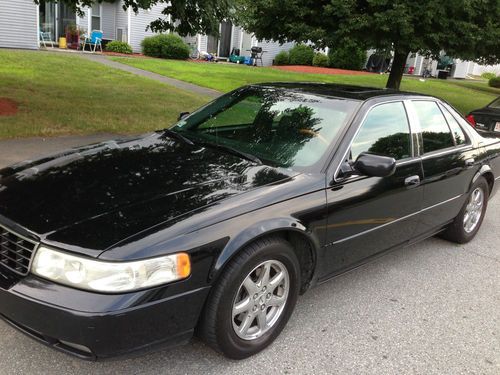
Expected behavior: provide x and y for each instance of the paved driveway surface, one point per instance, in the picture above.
(432, 308)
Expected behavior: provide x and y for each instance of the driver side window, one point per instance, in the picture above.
(385, 131)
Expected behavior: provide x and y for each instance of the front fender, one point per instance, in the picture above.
(261, 229)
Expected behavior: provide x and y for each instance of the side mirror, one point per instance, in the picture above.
(375, 165)
(182, 115)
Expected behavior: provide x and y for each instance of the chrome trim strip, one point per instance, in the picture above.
(392, 222)
(35, 249)
(498, 178)
(446, 152)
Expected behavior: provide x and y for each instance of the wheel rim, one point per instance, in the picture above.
(473, 210)
(260, 300)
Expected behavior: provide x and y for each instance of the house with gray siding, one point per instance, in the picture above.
(21, 22)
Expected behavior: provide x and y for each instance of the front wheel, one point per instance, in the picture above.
(469, 220)
(253, 300)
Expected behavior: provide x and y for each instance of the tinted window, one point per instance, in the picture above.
(495, 104)
(385, 131)
(279, 126)
(456, 130)
(435, 131)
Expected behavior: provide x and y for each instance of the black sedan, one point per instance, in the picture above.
(487, 119)
(216, 225)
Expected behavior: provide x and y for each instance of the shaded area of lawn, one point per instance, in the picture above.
(65, 94)
(224, 77)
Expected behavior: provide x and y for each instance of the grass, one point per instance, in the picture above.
(62, 94)
(464, 95)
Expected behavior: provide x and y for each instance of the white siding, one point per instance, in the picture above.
(140, 21)
(272, 48)
(18, 24)
(236, 38)
(83, 21)
(203, 43)
(121, 20)
(108, 23)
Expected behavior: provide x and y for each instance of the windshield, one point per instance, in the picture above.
(280, 127)
(495, 104)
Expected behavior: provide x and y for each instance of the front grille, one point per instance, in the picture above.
(15, 251)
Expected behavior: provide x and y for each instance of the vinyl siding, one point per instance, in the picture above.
(139, 22)
(236, 37)
(203, 43)
(108, 23)
(121, 19)
(83, 21)
(272, 48)
(18, 24)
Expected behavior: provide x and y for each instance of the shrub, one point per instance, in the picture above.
(320, 59)
(166, 46)
(301, 55)
(348, 56)
(118, 47)
(282, 58)
(494, 82)
(488, 75)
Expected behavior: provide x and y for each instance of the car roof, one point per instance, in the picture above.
(337, 90)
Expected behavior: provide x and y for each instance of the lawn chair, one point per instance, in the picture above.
(257, 53)
(45, 38)
(95, 40)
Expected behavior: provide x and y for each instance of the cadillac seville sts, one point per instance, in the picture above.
(215, 226)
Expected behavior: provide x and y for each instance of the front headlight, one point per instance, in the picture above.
(102, 276)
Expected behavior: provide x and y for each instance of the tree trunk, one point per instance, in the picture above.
(397, 69)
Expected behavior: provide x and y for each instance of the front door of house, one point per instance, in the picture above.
(225, 38)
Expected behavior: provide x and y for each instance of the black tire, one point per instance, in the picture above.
(216, 325)
(456, 231)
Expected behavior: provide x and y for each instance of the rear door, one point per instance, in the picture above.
(448, 162)
(367, 215)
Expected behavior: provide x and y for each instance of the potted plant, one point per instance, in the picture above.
(72, 36)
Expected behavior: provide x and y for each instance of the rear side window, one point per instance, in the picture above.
(456, 130)
(435, 131)
(385, 131)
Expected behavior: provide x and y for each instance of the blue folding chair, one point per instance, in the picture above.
(95, 40)
(45, 38)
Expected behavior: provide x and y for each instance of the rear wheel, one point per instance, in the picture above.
(253, 300)
(469, 220)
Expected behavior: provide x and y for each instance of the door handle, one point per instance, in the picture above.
(412, 181)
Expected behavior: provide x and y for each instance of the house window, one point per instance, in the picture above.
(96, 17)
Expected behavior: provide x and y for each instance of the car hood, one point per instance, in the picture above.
(122, 188)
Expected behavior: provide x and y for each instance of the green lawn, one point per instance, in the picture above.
(464, 95)
(62, 93)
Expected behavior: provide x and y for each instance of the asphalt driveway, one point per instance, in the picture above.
(432, 308)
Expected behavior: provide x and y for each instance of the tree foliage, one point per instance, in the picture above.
(185, 17)
(466, 29)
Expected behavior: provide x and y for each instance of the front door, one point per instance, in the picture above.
(226, 28)
(367, 215)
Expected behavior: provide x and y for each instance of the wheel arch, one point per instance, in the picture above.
(486, 172)
(305, 244)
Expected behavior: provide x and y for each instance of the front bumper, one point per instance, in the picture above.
(95, 326)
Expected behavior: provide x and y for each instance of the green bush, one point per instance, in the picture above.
(320, 59)
(494, 82)
(488, 75)
(282, 58)
(348, 56)
(301, 55)
(118, 47)
(166, 46)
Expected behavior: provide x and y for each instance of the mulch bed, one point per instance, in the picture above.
(318, 70)
(8, 107)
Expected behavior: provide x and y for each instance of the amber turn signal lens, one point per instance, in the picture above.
(183, 265)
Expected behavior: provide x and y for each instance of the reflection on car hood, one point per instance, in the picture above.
(125, 186)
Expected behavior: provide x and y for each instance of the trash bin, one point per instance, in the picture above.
(62, 43)
(443, 74)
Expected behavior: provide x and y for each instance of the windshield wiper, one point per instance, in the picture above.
(178, 136)
(233, 151)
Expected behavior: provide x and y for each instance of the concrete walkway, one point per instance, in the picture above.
(157, 77)
(17, 150)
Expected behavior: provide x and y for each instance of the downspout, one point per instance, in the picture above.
(38, 25)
